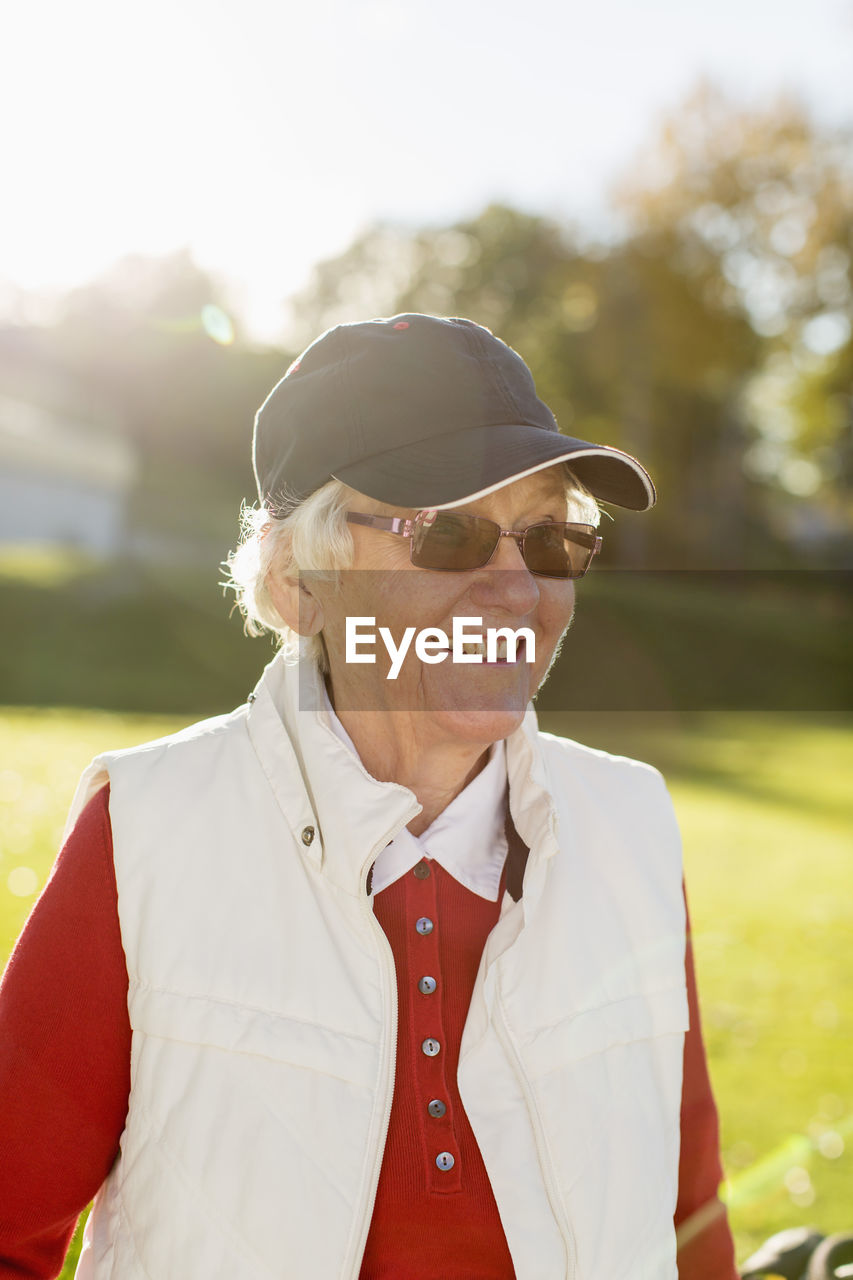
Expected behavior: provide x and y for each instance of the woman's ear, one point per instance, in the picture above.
(296, 603)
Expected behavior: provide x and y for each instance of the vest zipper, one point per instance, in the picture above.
(554, 1198)
(378, 1138)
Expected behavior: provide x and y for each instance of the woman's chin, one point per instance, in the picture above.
(479, 726)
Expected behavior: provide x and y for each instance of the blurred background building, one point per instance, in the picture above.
(65, 479)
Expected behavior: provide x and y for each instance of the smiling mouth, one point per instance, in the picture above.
(478, 647)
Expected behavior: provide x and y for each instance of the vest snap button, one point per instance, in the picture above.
(307, 835)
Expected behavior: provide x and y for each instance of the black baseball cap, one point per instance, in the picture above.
(421, 411)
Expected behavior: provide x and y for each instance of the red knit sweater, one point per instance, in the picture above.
(65, 1080)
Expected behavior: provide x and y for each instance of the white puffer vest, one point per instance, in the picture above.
(263, 1006)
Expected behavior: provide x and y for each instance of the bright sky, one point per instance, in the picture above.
(264, 135)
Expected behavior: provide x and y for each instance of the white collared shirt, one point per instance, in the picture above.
(468, 838)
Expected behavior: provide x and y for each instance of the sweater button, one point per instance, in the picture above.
(445, 1160)
(431, 1047)
(422, 871)
(437, 1108)
(307, 835)
(424, 926)
(427, 985)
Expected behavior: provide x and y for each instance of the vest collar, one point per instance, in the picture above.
(340, 816)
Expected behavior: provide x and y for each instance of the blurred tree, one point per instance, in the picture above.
(152, 341)
(365, 280)
(153, 334)
(756, 208)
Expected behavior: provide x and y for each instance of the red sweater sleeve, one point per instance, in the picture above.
(705, 1245)
(64, 1053)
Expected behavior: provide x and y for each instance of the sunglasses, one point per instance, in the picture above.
(448, 540)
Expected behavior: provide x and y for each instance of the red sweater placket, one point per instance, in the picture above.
(433, 1184)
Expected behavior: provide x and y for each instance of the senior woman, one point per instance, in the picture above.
(370, 978)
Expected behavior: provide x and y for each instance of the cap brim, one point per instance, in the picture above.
(461, 466)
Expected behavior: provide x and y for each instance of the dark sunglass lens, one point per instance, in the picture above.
(443, 540)
(559, 550)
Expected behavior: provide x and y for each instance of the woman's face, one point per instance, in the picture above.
(449, 701)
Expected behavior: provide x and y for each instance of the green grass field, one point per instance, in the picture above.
(764, 804)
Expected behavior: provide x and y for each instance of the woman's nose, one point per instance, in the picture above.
(506, 582)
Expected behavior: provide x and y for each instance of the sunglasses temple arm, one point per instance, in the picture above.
(391, 524)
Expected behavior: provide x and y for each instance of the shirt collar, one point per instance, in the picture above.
(467, 839)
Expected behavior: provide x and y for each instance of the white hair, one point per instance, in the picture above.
(313, 535)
